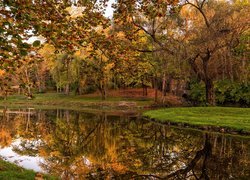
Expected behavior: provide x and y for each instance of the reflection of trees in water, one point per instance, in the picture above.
(190, 169)
(9, 124)
(88, 145)
(230, 158)
(64, 145)
(155, 146)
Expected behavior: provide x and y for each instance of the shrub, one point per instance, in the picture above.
(197, 92)
(232, 92)
(226, 91)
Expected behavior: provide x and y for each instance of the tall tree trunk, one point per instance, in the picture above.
(77, 88)
(29, 91)
(164, 84)
(67, 85)
(156, 88)
(102, 89)
(144, 89)
(210, 94)
(29, 94)
(168, 85)
(67, 89)
(40, 80)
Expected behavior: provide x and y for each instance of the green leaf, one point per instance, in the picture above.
(36, 43)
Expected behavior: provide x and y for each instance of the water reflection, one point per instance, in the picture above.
(80, 145)
(13, 154)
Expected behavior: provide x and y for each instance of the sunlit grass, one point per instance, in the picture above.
(237, 118)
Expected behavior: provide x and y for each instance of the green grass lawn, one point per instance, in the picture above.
(9, 171)
(56, 99)
(236, 118)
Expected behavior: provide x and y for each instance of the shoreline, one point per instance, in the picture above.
(135, 106)
(212, 119)
(208, 129)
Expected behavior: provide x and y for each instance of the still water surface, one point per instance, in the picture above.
(81, 145)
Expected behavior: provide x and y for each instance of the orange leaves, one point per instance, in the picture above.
(169, 2)
(5, 138)
(118, 167)
(120, 35)
(2, 72)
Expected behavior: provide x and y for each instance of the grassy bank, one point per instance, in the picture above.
(12, 171)
(55, 99)
(217, 117)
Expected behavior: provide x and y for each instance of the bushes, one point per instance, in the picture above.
(232, 92)
(227, 92)
(197, 93)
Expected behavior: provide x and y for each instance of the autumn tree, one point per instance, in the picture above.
(212, 29)
(14, 45)
(161, 25)
(64, 24)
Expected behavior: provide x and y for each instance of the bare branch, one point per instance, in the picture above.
(200, 9)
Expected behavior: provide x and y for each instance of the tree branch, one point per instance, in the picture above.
(152, 35)
(206, 151)
(200, 9)
(72, 25)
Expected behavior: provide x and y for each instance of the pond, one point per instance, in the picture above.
(83, 145)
